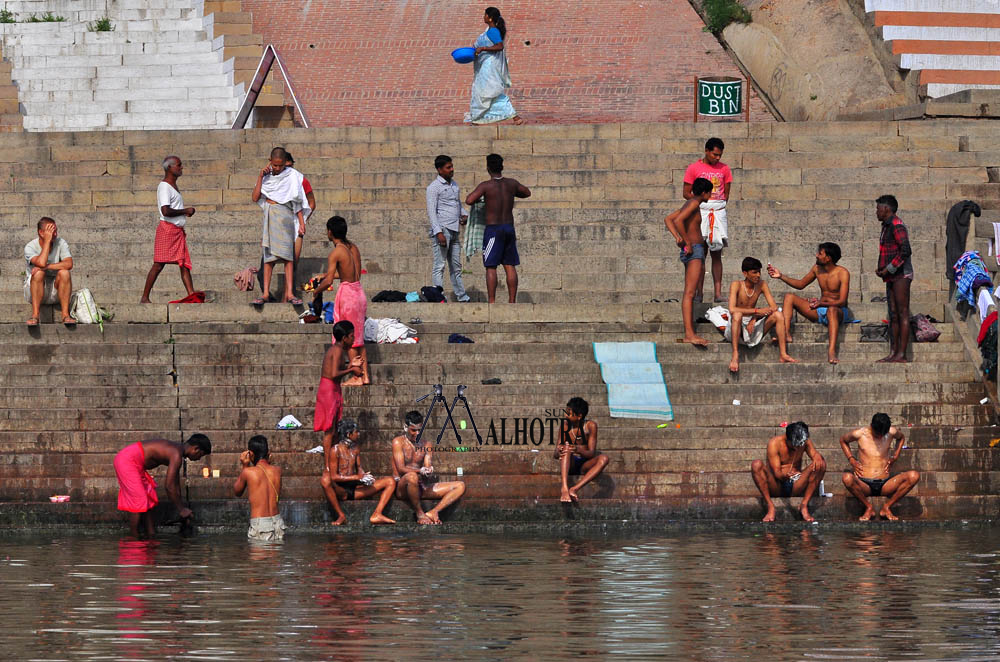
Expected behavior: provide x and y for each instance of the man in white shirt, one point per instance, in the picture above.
(444, 209)
(170, 245)
(47, 277)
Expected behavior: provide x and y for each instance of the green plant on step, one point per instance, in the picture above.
(101, 25)
(720, 13)
(47, 17)
(6, 16)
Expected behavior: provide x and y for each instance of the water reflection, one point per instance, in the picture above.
(883, 595)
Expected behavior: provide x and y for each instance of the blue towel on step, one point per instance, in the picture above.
(635, 380)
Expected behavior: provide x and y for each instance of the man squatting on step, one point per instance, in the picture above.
(782, 475)
(871, 471)
(263, 480)
(414, 473)
(577, 450)
(350, 481)
(137, 489)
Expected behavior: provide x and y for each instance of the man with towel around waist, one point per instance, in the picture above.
(264, 481)
(752, 321)
(782, 475)
(280, 193)
(170, 245)
(137, 489)
(830, 309)
(350, 304)
(714, 220)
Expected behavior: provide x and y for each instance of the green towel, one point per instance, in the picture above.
(475, 228)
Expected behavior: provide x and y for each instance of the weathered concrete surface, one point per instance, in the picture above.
(809, 73)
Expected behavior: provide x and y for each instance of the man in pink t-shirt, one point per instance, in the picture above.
(714, 224)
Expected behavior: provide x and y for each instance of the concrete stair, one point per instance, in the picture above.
(594, 256)
(157, 69)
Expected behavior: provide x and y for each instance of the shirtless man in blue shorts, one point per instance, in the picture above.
(499, 239)
(685, 225)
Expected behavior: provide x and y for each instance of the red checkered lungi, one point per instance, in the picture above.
(170, 246)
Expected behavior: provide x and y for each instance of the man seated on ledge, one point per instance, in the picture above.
(351, 482)
(782, 474)
(577, 450)
(137, 489)
(871, 471)
(414, 473)
(46, 278)
(830, 309)
(753, 322)
(264, 481)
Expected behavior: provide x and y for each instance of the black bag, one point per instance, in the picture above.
(389, 296)
(432, 294)
(874, 333)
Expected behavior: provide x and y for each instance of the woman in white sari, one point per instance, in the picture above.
(489, 103)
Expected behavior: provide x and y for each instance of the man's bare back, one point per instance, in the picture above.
(499, 194)
(263, 482)
(345, 263)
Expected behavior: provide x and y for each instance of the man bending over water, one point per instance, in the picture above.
(782, 474)
(830, 309)
(414, 473)
(137, 489)
(264, 482)
(350, 481)
(871, 469)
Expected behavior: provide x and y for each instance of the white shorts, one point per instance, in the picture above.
(748, 339)
(715, 224)
(49, 295)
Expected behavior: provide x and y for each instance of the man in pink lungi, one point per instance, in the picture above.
(137, 489)
(170, 245)
(351, 303)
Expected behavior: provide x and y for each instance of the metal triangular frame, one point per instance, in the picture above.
(267, 60)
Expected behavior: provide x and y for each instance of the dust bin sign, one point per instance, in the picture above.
(720, 96)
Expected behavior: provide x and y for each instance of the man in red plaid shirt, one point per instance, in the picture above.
(895, 269)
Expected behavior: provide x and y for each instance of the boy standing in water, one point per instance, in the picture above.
(329, 399)
(264, 481)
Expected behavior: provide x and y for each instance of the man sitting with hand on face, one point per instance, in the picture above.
(47, 277)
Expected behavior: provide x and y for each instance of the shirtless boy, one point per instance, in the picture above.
(577, 450)
(782, 474)
(685, 225)
(262, 482)
(329, 398)
(351, 303)
(499, 239)
(137, 489)
(350, 482)
(754, 322)
(871, 468)
(831, 307)
(414, 473)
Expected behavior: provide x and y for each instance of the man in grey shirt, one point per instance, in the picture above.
(46, 278)
(444, 209)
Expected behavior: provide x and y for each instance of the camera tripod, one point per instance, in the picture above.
(438, 397)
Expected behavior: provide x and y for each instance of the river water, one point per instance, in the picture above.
(925, 594)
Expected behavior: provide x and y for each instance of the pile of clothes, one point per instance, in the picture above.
(388, 330)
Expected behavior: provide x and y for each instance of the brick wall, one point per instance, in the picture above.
(388, 63)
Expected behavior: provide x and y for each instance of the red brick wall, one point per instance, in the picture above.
(385, 63)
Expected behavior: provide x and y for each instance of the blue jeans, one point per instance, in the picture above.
(452, 254)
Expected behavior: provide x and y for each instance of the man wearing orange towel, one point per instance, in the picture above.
(137, 489)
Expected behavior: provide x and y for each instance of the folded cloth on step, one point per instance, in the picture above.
(194, 297)
(388, 330)
(244, 279)
(289, 422)
(634, 379)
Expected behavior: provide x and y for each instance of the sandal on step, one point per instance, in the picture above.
(259, 301)
(69, 321)
(33, 321)
(295, 301)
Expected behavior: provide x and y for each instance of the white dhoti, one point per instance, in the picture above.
(749, 339)
(714, 224)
